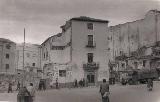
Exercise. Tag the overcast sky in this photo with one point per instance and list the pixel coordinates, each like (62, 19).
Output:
(43, 18)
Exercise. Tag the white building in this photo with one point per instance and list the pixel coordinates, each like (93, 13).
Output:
(83, 49)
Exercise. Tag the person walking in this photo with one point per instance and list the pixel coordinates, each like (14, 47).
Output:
(10, 87)
(18, 86)
(84, 84)
(31, 89)
(150, 84)
(75, 83)
(57, 85)
(104, 90)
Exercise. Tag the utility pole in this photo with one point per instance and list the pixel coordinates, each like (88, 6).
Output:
(156, 20)
(128, 40)
(138, 37)
(112, 29)
(23, 60)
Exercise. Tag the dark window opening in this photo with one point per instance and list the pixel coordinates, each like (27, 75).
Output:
(7, 66)
(7, 56)
(44, 55)
(90, 26)
(90, 57)
(33, 64)
(47, 54)
(62, 73)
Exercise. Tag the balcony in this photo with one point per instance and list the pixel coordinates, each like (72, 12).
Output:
(91, 66)
(91, 45)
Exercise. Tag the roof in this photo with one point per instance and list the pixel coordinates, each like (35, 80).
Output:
(57, 35)
(155, 11)
(84, 18)
(6, 40)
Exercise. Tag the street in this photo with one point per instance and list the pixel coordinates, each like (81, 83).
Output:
(119, 93)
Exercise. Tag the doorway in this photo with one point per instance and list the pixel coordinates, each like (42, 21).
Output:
(91, 79)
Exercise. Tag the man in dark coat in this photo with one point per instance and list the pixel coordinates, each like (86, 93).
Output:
(104, 88)
(10, 88)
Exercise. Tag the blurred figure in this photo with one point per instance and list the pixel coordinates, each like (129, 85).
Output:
(18, 86)
(10, 87)
(75, 83)
(84, 84)
(31, 89)
(104, 90)
(57, 86)
(150, 84)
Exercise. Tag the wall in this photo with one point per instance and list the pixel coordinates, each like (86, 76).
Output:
(31, 55)
(130, 36)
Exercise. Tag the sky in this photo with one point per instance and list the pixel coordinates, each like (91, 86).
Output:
(43, 18)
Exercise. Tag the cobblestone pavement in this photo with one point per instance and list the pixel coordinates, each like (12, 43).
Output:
(119, 93)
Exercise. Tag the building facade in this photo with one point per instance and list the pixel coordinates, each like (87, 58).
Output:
(81, 48)
(28, 62)
(7, 58)
(131, 42)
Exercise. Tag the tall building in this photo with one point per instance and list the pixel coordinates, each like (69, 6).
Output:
(82, 48)
(7, 58)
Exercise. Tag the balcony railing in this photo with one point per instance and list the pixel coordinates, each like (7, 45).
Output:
(90, 66)
(91, 44)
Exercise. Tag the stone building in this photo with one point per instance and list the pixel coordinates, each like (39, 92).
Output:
(32, 60)
(7, 59)
(83, 49)
(130, 39)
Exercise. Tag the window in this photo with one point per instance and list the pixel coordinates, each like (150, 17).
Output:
(58, 47)
(90, 26)
(7, 66)
(90, 57)
(44, 56)
(90, 40)
(33, 64)
(7, 56)
(62, 73)
(47, 54)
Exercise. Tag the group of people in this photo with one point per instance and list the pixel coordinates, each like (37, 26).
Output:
(81, 83)
(42, 86)
(26, 93)
(10, 85)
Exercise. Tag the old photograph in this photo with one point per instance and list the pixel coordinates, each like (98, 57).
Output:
(79, 50)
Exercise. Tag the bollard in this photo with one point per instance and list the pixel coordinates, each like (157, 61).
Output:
(24, 95)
